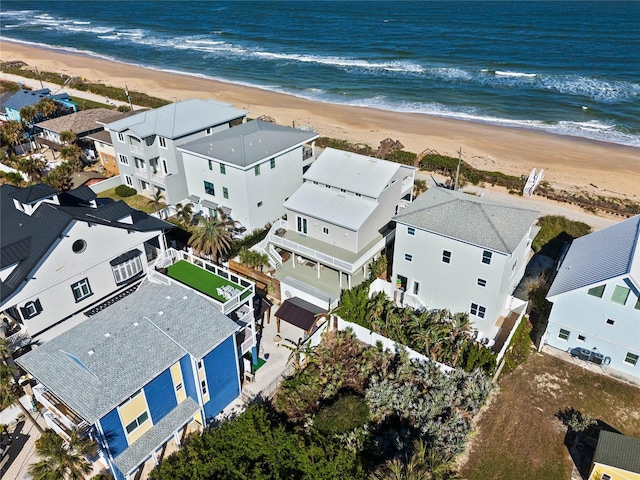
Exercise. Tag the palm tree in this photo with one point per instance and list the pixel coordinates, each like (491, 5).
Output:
(212, 237)
(33, 167)
(424, 464)
(59, 178)
(12, 132)
(157, 201)
(72, 153)
(67, 137)
(47, 107)
(297, 349)
(184, 213)
(10, 389)
(60, 459)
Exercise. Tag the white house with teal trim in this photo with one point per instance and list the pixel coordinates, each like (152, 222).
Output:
(596, 298)
(141, 374)
(458, 251)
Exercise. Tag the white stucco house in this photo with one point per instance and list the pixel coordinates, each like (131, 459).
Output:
(596, 299)
(65, 254)
(336, 223)
(460, 252)
(145, 143)
(248, 170)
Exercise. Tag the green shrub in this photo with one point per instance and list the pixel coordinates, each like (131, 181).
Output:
(554, 232)
(400, 156)
(125, 191)
(343, 415)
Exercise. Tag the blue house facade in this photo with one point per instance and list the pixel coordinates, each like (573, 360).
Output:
(144, 373)
(596, 300)
(24, 97)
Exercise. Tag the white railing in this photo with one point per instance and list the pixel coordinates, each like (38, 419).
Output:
(503, 350)
(276, 255)
(136, 149)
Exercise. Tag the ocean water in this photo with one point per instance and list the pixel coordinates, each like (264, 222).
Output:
(567, 67)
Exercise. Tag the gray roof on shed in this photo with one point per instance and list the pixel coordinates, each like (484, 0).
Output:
(178, 119)
(600, 256)
(331, 205)
(78, 122)
(353, 172)
(246, 144)
(96, 365)
(469, 219)
(619, 451)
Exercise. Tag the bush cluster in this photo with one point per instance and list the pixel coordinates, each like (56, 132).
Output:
(124, 191)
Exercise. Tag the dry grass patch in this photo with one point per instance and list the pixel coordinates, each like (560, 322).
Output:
(519, 437)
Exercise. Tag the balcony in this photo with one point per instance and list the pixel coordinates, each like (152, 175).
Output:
(58, 416)
(137, 149)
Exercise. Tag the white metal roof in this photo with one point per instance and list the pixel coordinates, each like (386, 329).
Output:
(331, 205)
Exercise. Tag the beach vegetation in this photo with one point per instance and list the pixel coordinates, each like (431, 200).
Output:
(248, 241)
(11, 178)
(402, 156)
(33, 167)
(6, 86)
(212, 236)
(555, 232)
(253, 259)
(361, 148)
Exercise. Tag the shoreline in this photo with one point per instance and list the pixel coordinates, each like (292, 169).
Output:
(571, 163)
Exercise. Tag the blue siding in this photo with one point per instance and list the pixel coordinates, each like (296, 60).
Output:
(114, 432)
(187, 378)
(161, 396)
(221, 367)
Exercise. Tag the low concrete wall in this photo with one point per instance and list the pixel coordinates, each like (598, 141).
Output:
(106, 184)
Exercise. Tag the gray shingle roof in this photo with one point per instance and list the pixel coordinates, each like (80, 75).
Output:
(600, 256)
(96, 365)
(178, 119)
(469, 218)
(246, 144)
(620, 451)
(78, 122)
(357, 173)
(331, 205)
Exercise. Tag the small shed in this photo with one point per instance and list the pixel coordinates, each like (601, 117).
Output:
(299, 313)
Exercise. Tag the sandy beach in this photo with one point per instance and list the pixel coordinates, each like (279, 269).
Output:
(570, 163)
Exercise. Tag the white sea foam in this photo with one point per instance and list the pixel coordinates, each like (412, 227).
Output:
(508, 73)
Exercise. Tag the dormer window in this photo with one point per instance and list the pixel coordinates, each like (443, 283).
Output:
(162, 142)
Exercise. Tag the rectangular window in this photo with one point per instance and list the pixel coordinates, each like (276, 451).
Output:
(209, 131)
(163, 162)
(446, 256)
(31, 309)
(81, 289)
(605, 477)
(408, 257)
(153, 165)
(128, 180)
(411, 231)
(203, 383)
(302, 225)
(126, 270)
(482, 282)
(210, 164)
(631, 359)
(137, 422)
(637, 305)
(620, 295)
(223, 169)
(121, 137)
(256, 170)
(162, 142)
(178, 387)
(209, 188)
(564, 334)
(259, 204)
(581, 338)
(124, 160)
(597, 291)
(139, 163)
(416, 288)
(477, 310)
(225, 192)
(272, 162)
(144, 185)
(325, 230)
(610, 321)
(486, 257)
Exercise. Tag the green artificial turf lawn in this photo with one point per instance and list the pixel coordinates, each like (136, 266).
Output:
(199, 278)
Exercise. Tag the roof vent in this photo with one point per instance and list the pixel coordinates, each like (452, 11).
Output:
(168, 297)
(160, 312)
(107, 334)
(91, 352)
(185, 297)
(135, 324)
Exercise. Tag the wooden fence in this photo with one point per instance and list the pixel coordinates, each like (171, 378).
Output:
(264, 282)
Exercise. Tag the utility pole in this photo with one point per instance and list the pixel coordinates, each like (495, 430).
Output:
(126, 89)
(455, 186)
(38, 73)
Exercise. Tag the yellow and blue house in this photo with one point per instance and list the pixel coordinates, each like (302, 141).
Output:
(617, 457)
(140, 375)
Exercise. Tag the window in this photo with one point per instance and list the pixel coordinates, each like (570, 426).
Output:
(81, 289)
(620, 295)
(79, 246)
(223, 169)
(31, 309)
(209, 188)
(272, 162)
(210, 164)
(128, 180)
(359, 195)
(203, 383)
(137, 422)
(163, 162)
(631, 358)
(139, 163)
(411, 231)
(486, 257)
(302, 225)
(597, 291)
(121, 137)
(259, 204)
(581, 338)
(478, 310)
(408, 257)
(325, 230)
(610, 321)
(178, 387)
(482, 282)
(605, 477)
(209, 131)
(153, 165)
(446, 256)
(124, 160)
(162, 142)
(225, 192)
(416, 288)
(127, 269)
(256, 170)
(564, 334)
(144, 185)
(637, 305)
